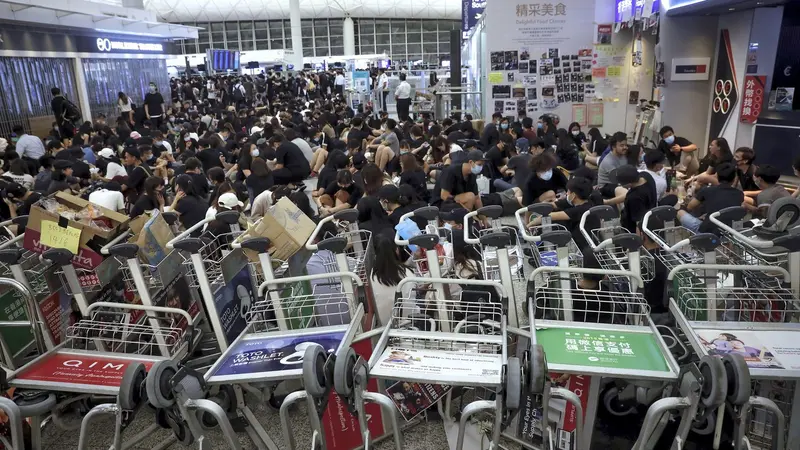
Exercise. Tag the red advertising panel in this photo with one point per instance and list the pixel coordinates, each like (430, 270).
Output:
(341, 428)
(753, 98)
(79, 369)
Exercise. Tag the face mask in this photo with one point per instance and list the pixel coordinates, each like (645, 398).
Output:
(448, 226)
(576, 132)
(476, 169)
(403, 151)
(547, 175)
(669, 140)
(570, 201)
(255, 153)
(504, 126)
(172, 119)
(152, 89)
(539, 126)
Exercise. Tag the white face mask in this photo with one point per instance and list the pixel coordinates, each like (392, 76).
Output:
(570, 201)
(576, 132)
(546, 176)
(255, 153)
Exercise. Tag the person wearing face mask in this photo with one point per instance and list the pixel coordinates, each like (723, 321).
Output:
(545, 180)
(678, 150)
(458, 184)
(576, 134)
(154, 106)
(491, 133)
(654, 165)
(504, 124)
(498, 156)
(339, 195)
(640, 198)
(571, 208)
(745, 170)
(400, 200)
(766, 178)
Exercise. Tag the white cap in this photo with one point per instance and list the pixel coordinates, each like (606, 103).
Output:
(255, 130)
(135, 135)
(106, 153)
(456, 148)
(228, 200)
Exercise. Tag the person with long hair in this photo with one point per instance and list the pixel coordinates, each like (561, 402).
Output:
(371, 215)
(412, 174)
(125, 107)
(260, 178)
(594, 148)
(386, 273)
(566, 150)
(719, 152)
(151, 199)
(188, 203)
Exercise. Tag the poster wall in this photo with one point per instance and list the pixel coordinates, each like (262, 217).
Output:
(541, 47)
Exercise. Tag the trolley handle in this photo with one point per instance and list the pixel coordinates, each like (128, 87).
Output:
(310, 245)
(539, 208)
(189, 231)
(425, 280)
(397, 239)
(621, 273)
(317, 276)
(755, 243)
(12, 241)
(106, 249)
(585, 233)
(730, 268)
(163, 309)
(468, 239)
(20, 220)
(656, 238)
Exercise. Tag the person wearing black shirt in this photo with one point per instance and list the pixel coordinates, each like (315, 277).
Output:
(154, 106)
(74, 154)
(194, 168)
(260, 179)
(497, 156)
(578, 201)
(398, 201)
(210, 157)
(745, 170)
(358, 132)
(19, 199)
(457, 185)
(544, 182)
(641, 196)
(342, 194)
(712, 199)
(137, 173)
(291, 166)
(191, 208)
(62, 177)
(678, 150)
(490, 134)
(152, 198)
(413, 175)
(654, 289)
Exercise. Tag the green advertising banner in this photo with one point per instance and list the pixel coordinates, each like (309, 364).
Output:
(12, 307)
(601, 348)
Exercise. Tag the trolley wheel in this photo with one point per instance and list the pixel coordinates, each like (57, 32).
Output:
(614, 406)
(161, 418)
(130, 389)
(343, 373)
(714, 387)
(705, 425)
(314, 370)
(537, 370)
(513, 383)
(225, 399)
(159, 392)
(738, 376)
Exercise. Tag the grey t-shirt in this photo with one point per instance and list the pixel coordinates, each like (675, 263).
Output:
(770, 194)
(391, 140)
(610, 163)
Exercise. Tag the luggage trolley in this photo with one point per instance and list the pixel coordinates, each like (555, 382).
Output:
(599, 333)
(423, 265)
(546, 253)
(214, 267)
(613, 257)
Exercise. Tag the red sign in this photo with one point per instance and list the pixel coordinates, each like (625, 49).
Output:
(85, 259)
(342, 431)
(78, 369)
(753, 98)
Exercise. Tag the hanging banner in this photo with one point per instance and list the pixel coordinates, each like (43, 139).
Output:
(726, 88)
(471, 10)
(753, 99)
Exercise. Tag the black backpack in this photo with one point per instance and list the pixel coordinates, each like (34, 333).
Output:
(71, 111)
(237, 93)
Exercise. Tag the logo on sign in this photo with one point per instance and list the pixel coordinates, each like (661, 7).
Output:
(104, 45)
(107, 45)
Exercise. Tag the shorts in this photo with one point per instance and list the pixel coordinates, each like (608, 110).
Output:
(691, 222)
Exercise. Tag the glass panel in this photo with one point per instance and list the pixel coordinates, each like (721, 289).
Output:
(276, 27)
(367, 39)
(217, 38)
(232, 35)
(216, 26)
(287, 42)
(320, 27)
(308, 52)
(444, 36)
(447, 25)
(429, 25)
(261, 34)
(413, 25)
(203, 36)
(382, 26)
(430, 37)
(367, 26)
(398, 49)
(202, 47)
(106, 77)
(322, 51)
(308, 43)
(246, 25)
(336, 27)
(247, 45)
(382, 40)
(337, 41)
(398, 26)
(414, 37)
(262, 25)
(233, 45)
(337, 51)
(414, 48)
(262, 45)
(26, 88)
(368, 49)
(276, 44)
(247, 35)
(320, 42)
(444, 47)
(429, 48)
(307, 27)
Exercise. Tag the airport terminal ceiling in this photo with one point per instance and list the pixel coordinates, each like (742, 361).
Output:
(227, 10)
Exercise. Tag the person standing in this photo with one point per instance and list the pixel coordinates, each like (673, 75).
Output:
(403, 97)
(65, 112)
(154, 106)
(338, 84)
(383, 88)
(125, 107)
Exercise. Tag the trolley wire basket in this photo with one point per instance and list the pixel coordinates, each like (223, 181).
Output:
(155, 276)
(760, 429)
(544, 253)
(613, 303)
(359, 251)
(444, 250)
(491, 267)
(616, 258)
(747, 303)
(300, 309)
(215, 248)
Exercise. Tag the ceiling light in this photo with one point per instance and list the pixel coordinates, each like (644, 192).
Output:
(731, 9)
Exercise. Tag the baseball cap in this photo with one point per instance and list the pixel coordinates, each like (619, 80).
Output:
(61, 164)
(470, 143)
(389, 192)
(106, 153)
(475, 155)
(454, 215)
(229, 200)
(359, 160)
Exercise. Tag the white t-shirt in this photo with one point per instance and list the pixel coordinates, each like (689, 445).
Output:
(124, 107)
(112, 200)
(24, 180)
(115, 170)
(661, 183)
(384, 298)
(339, 80)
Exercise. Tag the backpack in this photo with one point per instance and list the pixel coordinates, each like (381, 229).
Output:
(238, 96)
(71, 111)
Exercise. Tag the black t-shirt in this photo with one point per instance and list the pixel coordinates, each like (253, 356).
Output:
(395, 216)
(79, 168)
(353, 190)
(716, 198)
(292, 158)
(638, 201)
(535, 186)
(453, 181)
(145, 203)
(371, 215)
(154, 102)
(746, 179)
(573, 223)
(259, 184)
(417, 180)
(496, 157)
(673, 158)
(520, 164)
(136, 177)
(56, 186)
(326, 176)
(192, 210)
(654, 289)
(200, 183)
(25, 208)
(210, 158)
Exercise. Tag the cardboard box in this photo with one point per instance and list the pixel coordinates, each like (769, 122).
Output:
(91, 240)
(285, 226)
